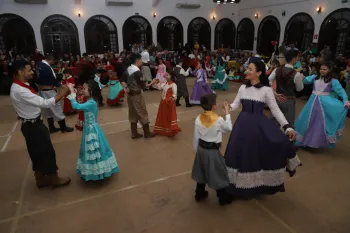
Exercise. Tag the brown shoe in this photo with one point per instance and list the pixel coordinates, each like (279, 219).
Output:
(134, 133)
(57, 181)
(147, 132)
(42, 180)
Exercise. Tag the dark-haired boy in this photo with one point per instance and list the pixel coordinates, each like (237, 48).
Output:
(209, 164)
(136, 102)
(288, 82)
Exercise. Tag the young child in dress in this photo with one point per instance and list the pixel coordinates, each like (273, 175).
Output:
(166, 122)
(67, 78)
(209, 164)
(160, 75)
(96, 159)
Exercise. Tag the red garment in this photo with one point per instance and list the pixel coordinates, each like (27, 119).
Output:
(166, 122)
(67, 106)
(120, 96)
(80, 122)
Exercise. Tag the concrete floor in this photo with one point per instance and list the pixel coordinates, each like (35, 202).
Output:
(153, 192)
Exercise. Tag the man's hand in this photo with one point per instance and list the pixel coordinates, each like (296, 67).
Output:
(292, 135)
(65, 90)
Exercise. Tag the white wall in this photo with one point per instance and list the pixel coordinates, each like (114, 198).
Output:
(264, 8)
(35, 14)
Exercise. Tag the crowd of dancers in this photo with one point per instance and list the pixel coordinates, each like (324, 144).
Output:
(258, 152)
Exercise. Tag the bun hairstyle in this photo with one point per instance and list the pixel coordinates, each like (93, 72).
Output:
(260, 67)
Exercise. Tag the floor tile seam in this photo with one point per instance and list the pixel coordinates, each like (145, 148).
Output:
(275, 217)
(3, 149)
(100, 195)
(20, 200)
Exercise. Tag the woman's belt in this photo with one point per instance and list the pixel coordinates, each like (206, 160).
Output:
(209, 145)
(321, 93)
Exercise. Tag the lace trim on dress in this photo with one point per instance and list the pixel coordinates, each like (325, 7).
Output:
(248, 180)
(293, 163)
(90, 137)
(98, 168)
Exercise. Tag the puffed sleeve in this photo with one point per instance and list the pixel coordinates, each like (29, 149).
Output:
(237, 102)
(275, 110)
(337, 88)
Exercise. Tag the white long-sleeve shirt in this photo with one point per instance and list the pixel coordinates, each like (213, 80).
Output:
(183, 72)
(298, 80)
(145, 57)
(212, 134)
(27, 104)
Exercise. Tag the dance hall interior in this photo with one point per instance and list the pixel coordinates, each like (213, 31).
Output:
(174, 116)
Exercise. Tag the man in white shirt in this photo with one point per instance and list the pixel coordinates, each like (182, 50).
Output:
(288, 82)
(28, 107)
(146, 71)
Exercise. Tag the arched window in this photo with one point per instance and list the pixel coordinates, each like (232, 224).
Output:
(100, 35)
(60, 35)
(335, 32)
(225, 33)
(299, 31)
(170, 33)
(17, 34)
(137, 29)
(269, 30)
(245, 34)
(199, 30)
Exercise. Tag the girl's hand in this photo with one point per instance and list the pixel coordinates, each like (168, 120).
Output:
(347, 105)
(291, 135)
(71, 87)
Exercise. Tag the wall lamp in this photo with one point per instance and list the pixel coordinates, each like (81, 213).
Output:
(256, 15)
(154, 14)
(319, 9)
(214, 17)
(79, 14)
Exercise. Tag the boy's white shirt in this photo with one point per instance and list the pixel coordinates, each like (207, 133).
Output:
(212, 134)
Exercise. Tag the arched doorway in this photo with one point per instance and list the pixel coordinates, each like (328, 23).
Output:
(269, 30)
(60, 35)
(100, 35)
(245, 34)
(335, 32)
(225, 34)
(170, 33)
(199, 30)
(137, 29)
(17, 34)
(300, 31)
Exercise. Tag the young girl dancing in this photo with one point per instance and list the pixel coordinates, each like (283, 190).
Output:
(96, 159)
(160, 75)
(322, 120)
(166, 122)
(258, 152)
(201, 86)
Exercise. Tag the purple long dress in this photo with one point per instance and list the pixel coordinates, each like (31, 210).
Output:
(200, 87)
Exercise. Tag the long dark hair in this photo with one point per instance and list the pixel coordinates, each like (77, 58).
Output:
(260, 67)
(93, 89)
(329, 76)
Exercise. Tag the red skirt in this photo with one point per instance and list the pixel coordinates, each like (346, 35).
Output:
(166, 123)
(67, 106)
(117, 100)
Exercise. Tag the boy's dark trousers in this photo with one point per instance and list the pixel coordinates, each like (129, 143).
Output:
(222, 194)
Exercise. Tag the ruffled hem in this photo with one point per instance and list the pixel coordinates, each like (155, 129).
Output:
(98, 177)
(98, 169)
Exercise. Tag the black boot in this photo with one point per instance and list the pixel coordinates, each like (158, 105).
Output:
(148, 133)
(134, 133)
(201, 193)
(52, 128)
(178, 101)
(224, 197)
(188, 105)
(64, 128)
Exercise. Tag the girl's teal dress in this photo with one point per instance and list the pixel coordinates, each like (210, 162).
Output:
(220, 79)
(96, 159)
